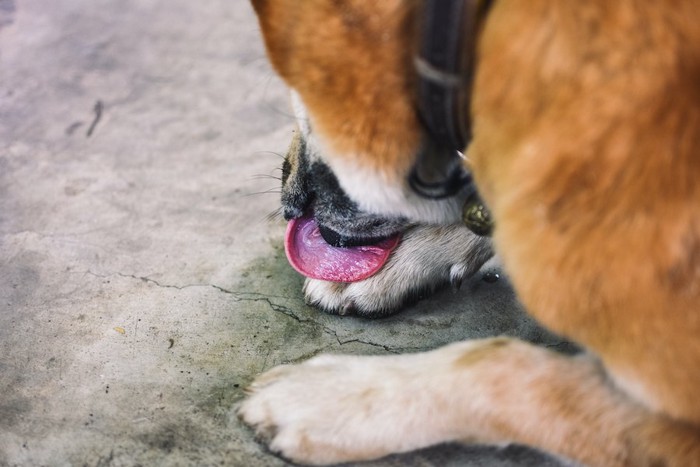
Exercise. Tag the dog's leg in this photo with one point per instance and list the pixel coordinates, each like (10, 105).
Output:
(345, 408)
(428, 257)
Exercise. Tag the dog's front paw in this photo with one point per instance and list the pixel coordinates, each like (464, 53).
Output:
(428, 257)
(371, 298)
(341, 408)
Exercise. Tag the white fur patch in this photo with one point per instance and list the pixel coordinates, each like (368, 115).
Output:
(300, 113)
(374, 193)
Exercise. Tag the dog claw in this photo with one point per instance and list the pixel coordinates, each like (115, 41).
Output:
(347, 309)
(457, 274)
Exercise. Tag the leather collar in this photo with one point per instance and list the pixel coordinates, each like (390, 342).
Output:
(445, 68)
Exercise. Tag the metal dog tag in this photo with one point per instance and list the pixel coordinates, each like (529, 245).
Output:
(477, 216)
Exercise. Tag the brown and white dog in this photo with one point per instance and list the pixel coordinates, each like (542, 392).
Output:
(586, 148)
(353, 259)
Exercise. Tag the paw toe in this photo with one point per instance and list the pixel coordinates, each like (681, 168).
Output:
(254, 415)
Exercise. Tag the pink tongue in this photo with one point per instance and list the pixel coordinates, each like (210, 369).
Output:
(309, 254)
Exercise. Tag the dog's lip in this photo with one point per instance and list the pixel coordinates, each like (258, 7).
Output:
(339, 240)
(310, 254)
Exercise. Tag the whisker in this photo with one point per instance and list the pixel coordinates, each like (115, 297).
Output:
(266, 192)
(265, 177)
(254, 60)
(263, 81)
(281, 156)
(275, 215)
(279, 111)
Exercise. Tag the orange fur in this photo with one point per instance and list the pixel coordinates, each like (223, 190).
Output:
(587, 150)
(590, 161)
(370, 120)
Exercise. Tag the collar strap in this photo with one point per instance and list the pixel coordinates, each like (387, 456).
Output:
(438, 172)
(445, 68)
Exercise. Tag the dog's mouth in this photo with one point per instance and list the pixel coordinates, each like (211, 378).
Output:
(320, 253)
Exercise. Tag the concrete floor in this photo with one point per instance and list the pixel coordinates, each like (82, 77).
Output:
(141, 284)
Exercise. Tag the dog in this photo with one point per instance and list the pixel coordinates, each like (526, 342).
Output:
(585, 146)
(427, 257)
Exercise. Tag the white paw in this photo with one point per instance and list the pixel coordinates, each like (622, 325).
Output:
(343, 408)
(428, 257)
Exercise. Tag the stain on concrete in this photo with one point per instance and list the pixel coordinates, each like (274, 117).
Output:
(7, 12)
(13, 409)
(171, 436)
(19, 276)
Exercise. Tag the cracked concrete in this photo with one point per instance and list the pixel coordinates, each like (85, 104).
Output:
(142, 282)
